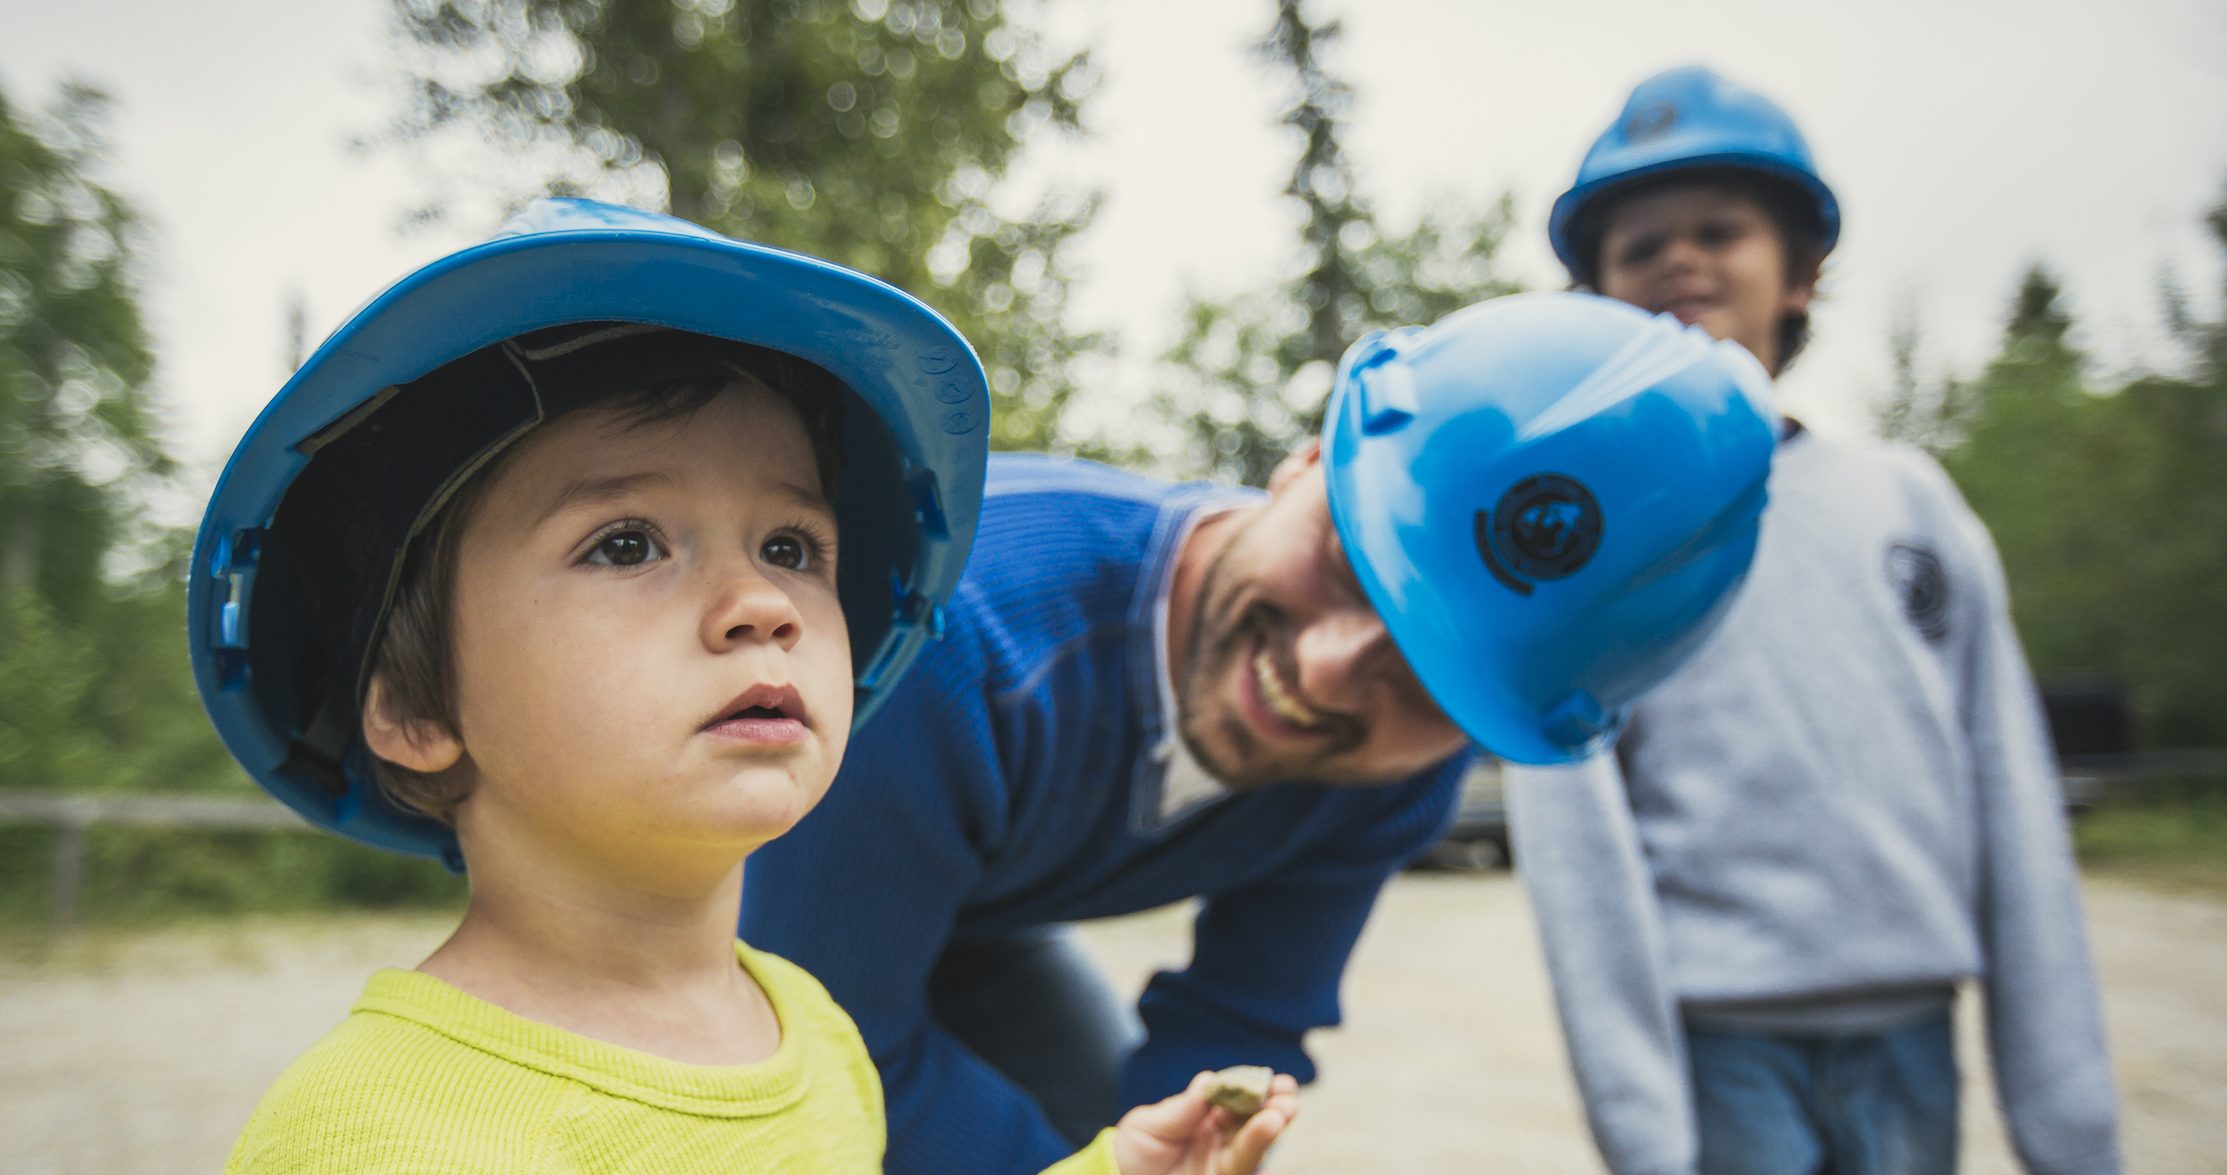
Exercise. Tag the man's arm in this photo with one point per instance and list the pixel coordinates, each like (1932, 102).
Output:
(1267, 958)
(863, 894)
(2044, 1016)
(1578, 853)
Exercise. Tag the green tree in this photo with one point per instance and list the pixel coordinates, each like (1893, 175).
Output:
(878, 134)
(76, 428)
(1250, 373)
(1933, 416)
(2173, 433)
(2035, 454)
(2105, 506)
(95, 691)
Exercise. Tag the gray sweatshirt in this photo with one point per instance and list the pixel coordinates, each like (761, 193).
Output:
(1840, 809)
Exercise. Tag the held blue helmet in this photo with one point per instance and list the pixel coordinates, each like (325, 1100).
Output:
(1679, 120)
(1550, 500)
(304, 541)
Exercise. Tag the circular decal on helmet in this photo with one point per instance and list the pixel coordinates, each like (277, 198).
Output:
(1650, 122)
(1545, 527)
(1915, 573)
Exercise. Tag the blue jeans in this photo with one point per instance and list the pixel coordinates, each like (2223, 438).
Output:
(1882, 1103)
(1033, 1006)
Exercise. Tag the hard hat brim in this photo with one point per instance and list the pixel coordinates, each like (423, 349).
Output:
(915, 455)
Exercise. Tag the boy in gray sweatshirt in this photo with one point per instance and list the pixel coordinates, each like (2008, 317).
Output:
(1758, 910)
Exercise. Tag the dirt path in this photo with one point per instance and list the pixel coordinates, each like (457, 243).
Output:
(146, 1054)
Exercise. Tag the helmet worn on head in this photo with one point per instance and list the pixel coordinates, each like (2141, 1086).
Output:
(1549, 499)
(1686, 119)
(298, 555)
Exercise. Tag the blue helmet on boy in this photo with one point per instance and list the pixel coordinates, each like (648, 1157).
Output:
(1685, 119)
(1550, 500)
(428, 381)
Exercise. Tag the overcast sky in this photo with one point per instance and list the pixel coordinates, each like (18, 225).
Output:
(1965, 140)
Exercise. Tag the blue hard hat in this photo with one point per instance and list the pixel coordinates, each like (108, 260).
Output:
(1549, 499)
(303, 542)
(1683, 119)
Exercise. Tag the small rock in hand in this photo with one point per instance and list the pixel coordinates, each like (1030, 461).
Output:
(1241, 1089)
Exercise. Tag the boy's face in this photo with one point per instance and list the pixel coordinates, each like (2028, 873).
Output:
(648, 647)
(1709, 254)
(1290, 674)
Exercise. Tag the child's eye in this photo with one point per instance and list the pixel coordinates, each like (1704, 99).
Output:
(786, 551)
(629, 547)
(1639, 251)
(795, 549)
(1721, 232)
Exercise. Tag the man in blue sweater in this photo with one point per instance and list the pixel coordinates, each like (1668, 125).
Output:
(1148, 693)
(1028, 773)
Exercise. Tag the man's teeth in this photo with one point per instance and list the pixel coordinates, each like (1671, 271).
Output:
(1272, 690)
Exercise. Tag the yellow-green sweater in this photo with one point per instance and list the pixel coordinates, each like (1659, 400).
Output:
(423, 1078)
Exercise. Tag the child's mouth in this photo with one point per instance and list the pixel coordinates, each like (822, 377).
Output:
(766, 715)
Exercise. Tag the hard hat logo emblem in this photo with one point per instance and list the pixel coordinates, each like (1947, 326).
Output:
(1545, 527)
(1650, 122)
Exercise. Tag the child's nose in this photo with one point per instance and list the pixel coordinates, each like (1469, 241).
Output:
(1682, 252)
(747, 606)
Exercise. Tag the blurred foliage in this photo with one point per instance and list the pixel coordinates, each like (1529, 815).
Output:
(2109, 505)
(144, 876)
(95, 692)
(878, 134)
(1250, 374)
(76, 430)
(2174, 837)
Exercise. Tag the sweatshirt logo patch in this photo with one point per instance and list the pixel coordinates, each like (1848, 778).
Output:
(1915, 573)
(1545, 527)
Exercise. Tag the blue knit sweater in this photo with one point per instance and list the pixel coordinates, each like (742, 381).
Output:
(1007, 783)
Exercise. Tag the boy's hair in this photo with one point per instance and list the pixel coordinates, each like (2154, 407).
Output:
(413, 652)
(1790, 208)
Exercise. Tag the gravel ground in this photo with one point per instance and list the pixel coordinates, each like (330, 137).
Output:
(145, 1053)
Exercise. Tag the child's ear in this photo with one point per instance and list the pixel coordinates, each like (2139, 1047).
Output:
(422, 745)
(1801, 285)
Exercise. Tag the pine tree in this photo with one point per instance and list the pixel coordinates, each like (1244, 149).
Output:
(1251, 373)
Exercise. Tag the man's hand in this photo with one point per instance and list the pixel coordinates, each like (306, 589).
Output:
(1187, 1135)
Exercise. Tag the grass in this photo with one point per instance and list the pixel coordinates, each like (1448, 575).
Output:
(2172, 838)
(152, 877)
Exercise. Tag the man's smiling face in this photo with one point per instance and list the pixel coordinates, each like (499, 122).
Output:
(1288, 675)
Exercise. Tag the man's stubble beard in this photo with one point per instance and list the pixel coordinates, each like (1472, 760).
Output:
(1218, 641)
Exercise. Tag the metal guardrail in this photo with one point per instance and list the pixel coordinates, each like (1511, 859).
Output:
(71, 813)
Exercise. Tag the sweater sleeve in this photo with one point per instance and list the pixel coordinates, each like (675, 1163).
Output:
(864, 893)
(2044, 1016)
(1267, 957)
(1577, 850)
